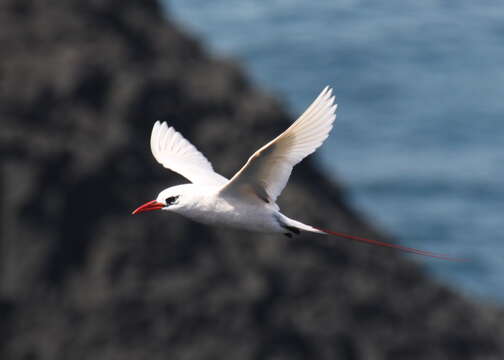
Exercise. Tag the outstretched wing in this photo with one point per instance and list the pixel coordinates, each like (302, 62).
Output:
(267, 171)
(174, 152)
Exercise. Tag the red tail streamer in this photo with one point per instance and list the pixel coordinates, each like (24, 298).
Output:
(394, 246)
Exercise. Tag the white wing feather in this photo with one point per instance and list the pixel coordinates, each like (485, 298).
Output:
(267, 171)
(174, 152)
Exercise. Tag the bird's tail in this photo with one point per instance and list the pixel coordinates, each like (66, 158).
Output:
(299, 225)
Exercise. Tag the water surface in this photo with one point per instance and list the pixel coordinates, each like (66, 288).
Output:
(420, 131)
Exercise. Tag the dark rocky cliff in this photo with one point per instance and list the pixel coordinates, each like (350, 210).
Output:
(81, 83)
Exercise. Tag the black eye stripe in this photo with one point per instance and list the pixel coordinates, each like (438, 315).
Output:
(170, 200)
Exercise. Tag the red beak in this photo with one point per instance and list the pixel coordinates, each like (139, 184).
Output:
(151, 205)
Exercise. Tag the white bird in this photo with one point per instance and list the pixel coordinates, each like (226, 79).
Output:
(248, 199)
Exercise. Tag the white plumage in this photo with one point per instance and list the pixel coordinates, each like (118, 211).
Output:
(267, 171)
(174, 152)
(248, 199)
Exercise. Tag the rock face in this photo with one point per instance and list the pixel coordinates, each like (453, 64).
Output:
(81, 83)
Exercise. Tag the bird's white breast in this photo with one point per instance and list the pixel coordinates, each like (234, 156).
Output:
(206, 206)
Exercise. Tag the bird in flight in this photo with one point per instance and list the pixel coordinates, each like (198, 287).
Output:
(248, 199)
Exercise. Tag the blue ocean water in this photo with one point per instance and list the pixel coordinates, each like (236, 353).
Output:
(420, 130)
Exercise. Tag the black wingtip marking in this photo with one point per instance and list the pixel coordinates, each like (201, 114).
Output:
(292, 229)
(261, 193)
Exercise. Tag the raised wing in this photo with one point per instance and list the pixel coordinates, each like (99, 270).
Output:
(174, 152)
(267, 171)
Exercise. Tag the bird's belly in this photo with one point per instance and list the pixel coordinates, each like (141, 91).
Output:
(249, 217)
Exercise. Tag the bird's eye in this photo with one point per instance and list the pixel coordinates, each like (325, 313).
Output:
(170, 200)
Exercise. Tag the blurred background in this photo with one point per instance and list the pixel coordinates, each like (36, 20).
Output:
(413, 159)
(420, 86)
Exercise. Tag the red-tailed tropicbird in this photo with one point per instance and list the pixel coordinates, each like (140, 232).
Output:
(248, 200)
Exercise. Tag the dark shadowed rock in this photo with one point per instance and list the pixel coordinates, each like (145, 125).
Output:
(81, 83)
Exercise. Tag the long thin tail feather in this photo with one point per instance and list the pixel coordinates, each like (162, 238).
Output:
(394, 246)
(297, 224)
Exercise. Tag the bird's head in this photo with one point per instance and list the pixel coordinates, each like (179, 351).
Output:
(168, 199)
